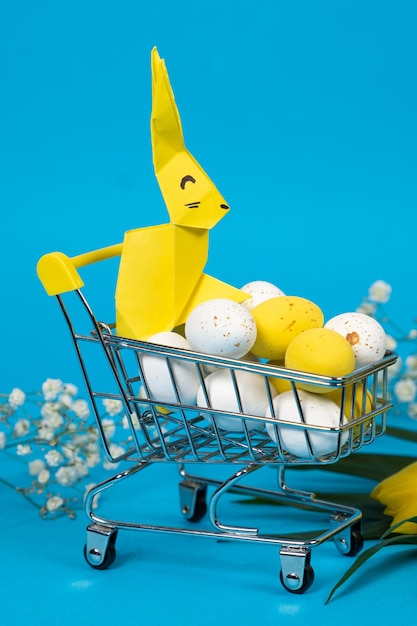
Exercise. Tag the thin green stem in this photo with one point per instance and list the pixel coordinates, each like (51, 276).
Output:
(10, 485)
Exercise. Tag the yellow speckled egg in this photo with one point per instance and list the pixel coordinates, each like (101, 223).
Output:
(279, 320)
(281, 384)
(320, 351)
(358, 409)
(356, 406)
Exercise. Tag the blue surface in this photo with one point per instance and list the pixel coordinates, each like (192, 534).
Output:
(184, 579)
(303, 113)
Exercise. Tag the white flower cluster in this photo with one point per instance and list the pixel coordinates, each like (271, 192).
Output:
(53, 430)
(403, 375)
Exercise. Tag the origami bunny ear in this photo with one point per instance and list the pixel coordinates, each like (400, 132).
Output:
(166, 129)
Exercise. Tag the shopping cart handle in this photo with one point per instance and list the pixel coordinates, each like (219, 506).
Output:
(58, 272)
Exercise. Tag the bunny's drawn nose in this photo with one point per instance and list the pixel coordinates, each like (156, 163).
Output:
(224, 206)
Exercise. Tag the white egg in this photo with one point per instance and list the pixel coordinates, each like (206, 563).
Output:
(221, 393)
(317, 410)
(208, 369)
(364, 333)
(260, 290)
(157, 374)
(221, 327)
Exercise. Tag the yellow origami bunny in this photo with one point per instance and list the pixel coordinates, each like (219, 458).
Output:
(161, 275)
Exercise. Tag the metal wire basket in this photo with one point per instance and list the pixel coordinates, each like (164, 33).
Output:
(165, 429)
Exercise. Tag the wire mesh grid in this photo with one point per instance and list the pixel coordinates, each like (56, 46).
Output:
(165, 428)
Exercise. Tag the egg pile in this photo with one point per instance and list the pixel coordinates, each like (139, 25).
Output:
(275, 328)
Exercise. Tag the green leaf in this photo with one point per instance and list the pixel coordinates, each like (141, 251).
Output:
(387, 539)
(372, 466)
(401, 433)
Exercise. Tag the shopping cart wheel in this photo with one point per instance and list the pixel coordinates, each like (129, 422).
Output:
(350, 542)
(100, 549)
(193, 500)
(292, 583)
(296, 573)
(108, 559)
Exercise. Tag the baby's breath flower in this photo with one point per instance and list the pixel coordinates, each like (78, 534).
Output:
(44, 476)
(405, 390)
(65, 400)
(412, 333)
(81, 468)
(412, 410)
(113, 407)
(368, 308)
(81, 409)
(116, 450)
(135, 422)
(57, 436)
(52, 417)
(45, 433)
(54, 503)
(54, 458)
(68, 452)
(380, 291)
(395, 369)
(391, 343)
(66, 475)
(93, 458)
(23, 450)
(109, 427)
(36, 466)
(21, 427)
(17, 397)
(411, 363)
(70, 389)
(51, 388)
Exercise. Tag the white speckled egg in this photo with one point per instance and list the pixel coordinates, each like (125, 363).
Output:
(221, 327)
(317, 411)
(364, 333)
(222, 396)
(260, 290)
(157, 375)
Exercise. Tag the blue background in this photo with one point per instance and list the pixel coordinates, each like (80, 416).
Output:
(304, 115)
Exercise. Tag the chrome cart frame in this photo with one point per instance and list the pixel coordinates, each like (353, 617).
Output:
(172, 432)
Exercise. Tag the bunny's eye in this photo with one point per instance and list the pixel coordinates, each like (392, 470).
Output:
(186, 179)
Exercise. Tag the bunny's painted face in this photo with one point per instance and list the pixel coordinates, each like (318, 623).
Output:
(190, 196)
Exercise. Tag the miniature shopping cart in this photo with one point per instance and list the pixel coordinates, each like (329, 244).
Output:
(156, 431)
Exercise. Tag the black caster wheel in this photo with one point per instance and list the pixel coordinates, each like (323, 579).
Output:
(102, 552)
(109, 558)
(193, 501)
(291, 582)
(356, 542)
(350, 541)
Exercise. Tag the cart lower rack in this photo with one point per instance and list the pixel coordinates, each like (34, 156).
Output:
(165, 429)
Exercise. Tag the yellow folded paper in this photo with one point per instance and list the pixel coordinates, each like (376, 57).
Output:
(161, 276)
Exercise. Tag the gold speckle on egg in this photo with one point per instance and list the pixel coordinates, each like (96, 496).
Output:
(353, 338)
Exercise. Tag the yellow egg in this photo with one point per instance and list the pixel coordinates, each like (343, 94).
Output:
(357, 410)
(320, 351)
(280, 384)
(279, 320)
